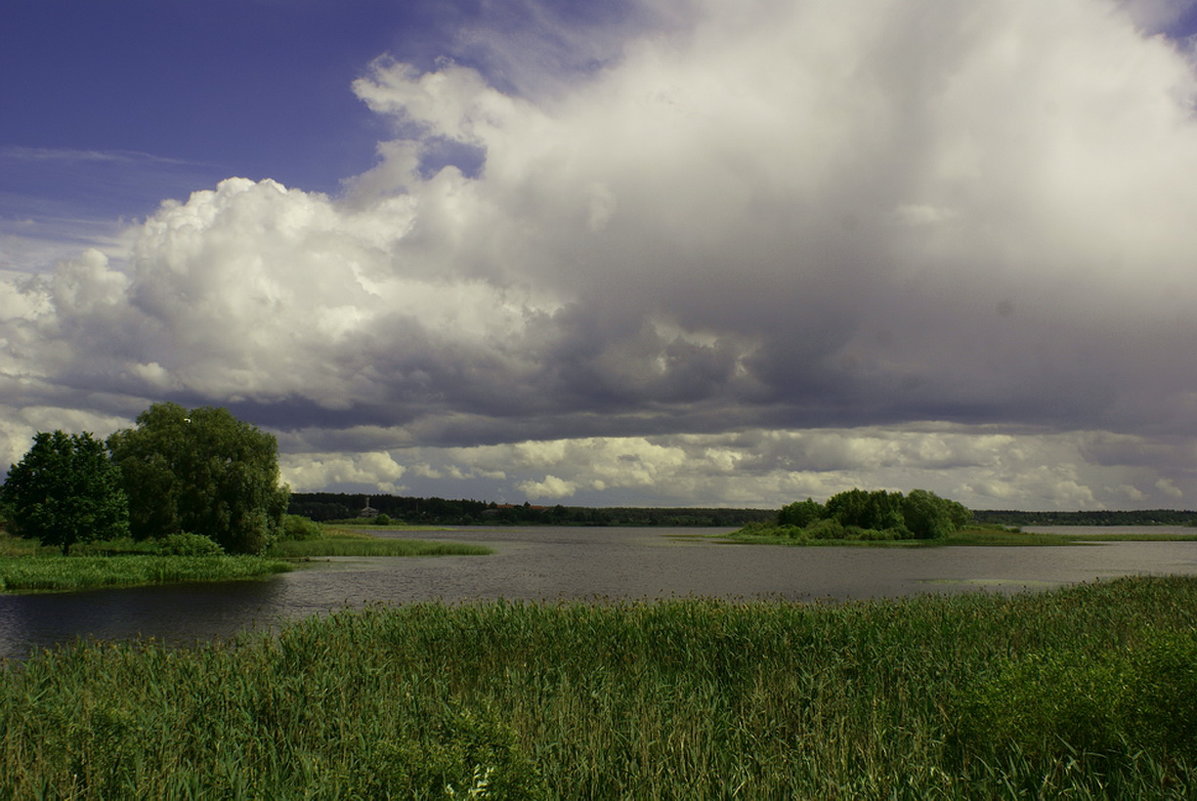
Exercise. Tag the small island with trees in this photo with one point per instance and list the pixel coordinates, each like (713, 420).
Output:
(861, 516)
(918, 518)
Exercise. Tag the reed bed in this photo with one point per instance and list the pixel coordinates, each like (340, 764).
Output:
(57, 573)
(684, 699)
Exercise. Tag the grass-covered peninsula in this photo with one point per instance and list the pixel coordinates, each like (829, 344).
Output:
(1085, 692)
(27, 566)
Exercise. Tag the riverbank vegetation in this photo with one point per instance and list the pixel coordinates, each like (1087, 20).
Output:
(355, 541)
(90, 572)
(28, 566)
(1083, 692)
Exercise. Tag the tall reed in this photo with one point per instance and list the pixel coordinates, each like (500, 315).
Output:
(682, 699)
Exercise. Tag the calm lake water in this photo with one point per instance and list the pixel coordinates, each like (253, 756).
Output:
(571, 564)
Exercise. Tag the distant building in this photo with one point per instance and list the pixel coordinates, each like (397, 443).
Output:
(368, 510)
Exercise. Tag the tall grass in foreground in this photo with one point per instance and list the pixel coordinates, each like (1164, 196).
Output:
(1054, 695)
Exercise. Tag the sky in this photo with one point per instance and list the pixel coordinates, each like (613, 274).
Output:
(639, 252)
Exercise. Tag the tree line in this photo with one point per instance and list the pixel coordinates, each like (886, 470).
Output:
(198, 471)
(1141, 517)
(327, 506)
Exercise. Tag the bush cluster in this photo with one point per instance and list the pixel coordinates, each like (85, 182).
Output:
(878, 515)
(298, 527)
(187, 544)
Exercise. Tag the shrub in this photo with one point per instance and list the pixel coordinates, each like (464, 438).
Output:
(382, 520)
(298, 527)
(185, 544)
(826, 529)
(795, 533)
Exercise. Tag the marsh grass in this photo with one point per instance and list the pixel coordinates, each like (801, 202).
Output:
(49, 574)
(343, 542)
(685, 699)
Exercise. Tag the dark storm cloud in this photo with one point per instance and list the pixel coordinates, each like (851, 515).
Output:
(779, 215)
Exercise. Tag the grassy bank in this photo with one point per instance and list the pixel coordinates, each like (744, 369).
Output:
(1086, 692)
(970, 535)
(358, 542)
(26, 566)
(86, 572)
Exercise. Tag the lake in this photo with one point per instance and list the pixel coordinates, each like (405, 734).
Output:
(550, 563)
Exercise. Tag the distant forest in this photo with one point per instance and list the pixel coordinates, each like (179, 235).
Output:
(325, 506)
(1143, 517)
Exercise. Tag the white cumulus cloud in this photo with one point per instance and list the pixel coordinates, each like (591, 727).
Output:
(829, 220)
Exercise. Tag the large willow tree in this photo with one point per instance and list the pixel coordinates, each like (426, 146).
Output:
(201, 471)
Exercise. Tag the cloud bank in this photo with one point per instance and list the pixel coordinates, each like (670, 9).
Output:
(740, 255)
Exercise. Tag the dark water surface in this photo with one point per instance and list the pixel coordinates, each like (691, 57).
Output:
(569, 563)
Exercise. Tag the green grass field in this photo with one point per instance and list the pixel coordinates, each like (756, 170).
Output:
(1081, 693)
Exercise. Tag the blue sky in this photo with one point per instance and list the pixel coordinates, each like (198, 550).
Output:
(192, 93)
(654, 252)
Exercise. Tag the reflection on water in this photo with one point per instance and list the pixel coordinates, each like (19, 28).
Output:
(568, 563)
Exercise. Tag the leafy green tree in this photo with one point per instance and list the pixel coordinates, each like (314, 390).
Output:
(201, 471)
(879, 510)
(961, 515)
(800, 513)
(929, 516)
(849, 508)
(65, 490)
